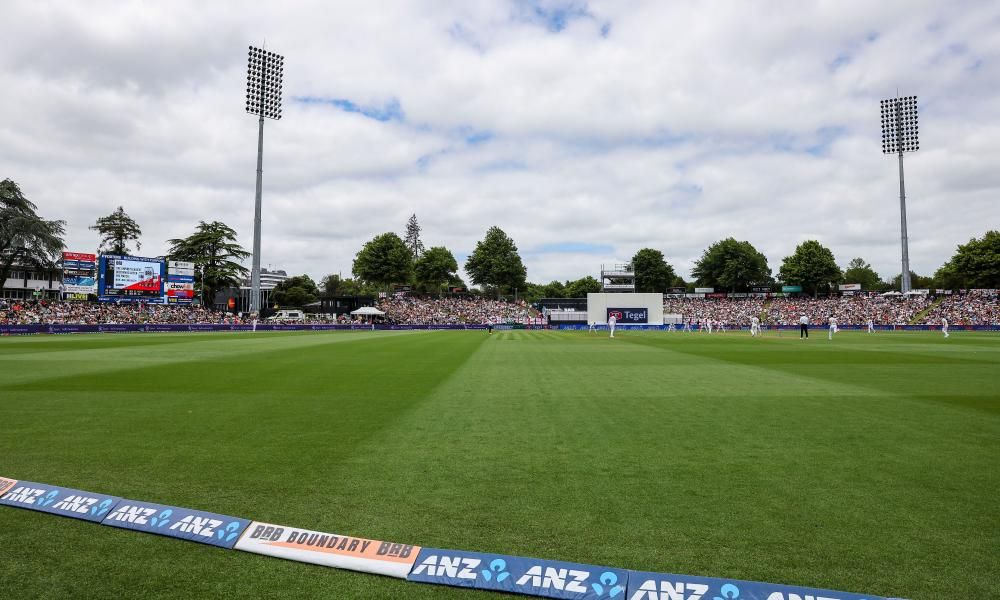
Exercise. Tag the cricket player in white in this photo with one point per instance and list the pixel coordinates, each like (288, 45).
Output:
(754, 327)
(944, 326)
(611, 324)
(871, 326)
(593, 326)
(833, 328)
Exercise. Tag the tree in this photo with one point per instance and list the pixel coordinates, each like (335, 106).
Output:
(384, 260)
(652, 272)
(412, 238)
(334, 285)
(732, 265)
(811, 265)
(25, 238)
(974, 265)
(495, 262)
(214, 251)
(435, 268)
(117, 230)
(581, 287)
(917, 282)
(554, 289)
(859, 271)
(295, 291)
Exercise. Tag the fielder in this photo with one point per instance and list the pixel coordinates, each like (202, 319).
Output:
(611, 325)
(754, 327)
(833, 328)
(593, 326)
(871, 326)
(944, 326)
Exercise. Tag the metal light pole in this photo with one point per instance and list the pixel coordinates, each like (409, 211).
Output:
(264, 71)
(900, 134)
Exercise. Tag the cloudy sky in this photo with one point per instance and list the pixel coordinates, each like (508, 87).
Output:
(585, 130)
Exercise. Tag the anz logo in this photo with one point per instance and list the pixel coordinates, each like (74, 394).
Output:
(652, 589)
(536, 577)
(28, 495)
(662, 589)
(137, 515)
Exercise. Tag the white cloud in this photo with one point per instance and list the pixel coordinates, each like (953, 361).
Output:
(621, 124)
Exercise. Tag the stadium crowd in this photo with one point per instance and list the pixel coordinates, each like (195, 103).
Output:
(848, 310)
(734, 312)
(47, 312)
(974, 308)
(453, 311)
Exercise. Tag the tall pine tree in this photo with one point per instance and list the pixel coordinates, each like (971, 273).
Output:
(412, 237)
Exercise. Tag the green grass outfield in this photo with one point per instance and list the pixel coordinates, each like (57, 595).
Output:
(867, 464)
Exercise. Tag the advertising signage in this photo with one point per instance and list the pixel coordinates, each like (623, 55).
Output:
(130, 278)
(79, 273)
(791, 289)
(78, 261)
(629, 315)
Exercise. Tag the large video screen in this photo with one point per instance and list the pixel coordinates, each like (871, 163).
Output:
(131, 277)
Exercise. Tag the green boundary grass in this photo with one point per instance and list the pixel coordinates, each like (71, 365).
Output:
(866, 464)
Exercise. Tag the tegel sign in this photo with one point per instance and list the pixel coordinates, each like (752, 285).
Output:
(666, 586)
(67, 502)
(177, 522)
(518, 575)
(629, 315)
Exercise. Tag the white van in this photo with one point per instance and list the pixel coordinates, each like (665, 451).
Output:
(287, 315)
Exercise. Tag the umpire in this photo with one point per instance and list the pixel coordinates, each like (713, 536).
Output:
(803, 327)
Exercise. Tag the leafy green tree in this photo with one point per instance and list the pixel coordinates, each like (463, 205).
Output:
(117, 230)
(859, 271)
(917, 282)
(974, 265)
(581, 287)
(652, 272)
(812, 266)
(215, 253)
(412, 238)
(334, 285)
(25, 238)
(495, 262)
(729, 264)
(457, 282)
(435, 267)
(554, 289)
(295, 291)
(383, 261)
(533, 292)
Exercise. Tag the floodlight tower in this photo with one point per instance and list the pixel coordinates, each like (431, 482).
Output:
(264, 71)
(900, 134)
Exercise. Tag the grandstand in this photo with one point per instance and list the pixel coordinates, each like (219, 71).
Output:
(961, 308)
